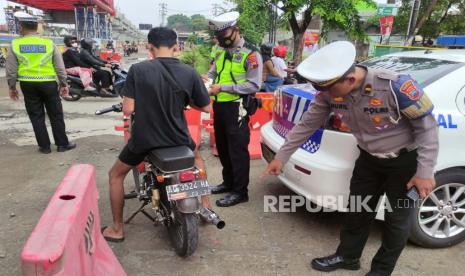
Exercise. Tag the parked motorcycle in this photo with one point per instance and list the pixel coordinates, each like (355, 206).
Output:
(76, 89)
(170, 183)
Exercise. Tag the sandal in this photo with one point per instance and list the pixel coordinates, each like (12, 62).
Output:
(110, 239)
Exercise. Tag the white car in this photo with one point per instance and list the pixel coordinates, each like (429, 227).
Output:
(323, 165)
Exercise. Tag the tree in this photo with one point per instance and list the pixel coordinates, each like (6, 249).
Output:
(335, 14)
(253, 20)
(199, 22)
(180, 22)
(436, 17)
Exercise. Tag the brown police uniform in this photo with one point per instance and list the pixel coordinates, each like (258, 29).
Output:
(397, 135)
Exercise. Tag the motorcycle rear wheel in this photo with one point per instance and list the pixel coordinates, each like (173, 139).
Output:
(184, 233)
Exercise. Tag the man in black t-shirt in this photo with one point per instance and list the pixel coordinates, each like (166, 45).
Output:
(159, 119)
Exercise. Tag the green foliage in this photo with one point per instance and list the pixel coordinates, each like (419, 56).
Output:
(441, 21)
(199, 22)
(192, 38)
(196, 22)
(254, 19)
(198, 57)
(179, 21)
(335, 14)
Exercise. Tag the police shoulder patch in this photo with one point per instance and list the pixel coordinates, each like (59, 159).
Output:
(413, 102)
(252, 61)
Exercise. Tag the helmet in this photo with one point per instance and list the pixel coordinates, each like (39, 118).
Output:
(280, 51)
(266, 48)
(87, 43)
(67, 40)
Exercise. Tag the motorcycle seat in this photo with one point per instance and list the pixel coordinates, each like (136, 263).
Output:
(172, 159)
(74, 79)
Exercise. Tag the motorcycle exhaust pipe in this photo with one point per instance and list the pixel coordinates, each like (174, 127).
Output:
(211, 217)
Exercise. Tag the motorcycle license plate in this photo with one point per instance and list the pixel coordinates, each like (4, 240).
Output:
(187, 190)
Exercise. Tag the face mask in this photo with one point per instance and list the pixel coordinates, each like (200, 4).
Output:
(74, 45)
(227, 42)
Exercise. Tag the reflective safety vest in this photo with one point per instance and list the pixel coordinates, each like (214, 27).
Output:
(35, 59)
(213, 52)
(230, 71)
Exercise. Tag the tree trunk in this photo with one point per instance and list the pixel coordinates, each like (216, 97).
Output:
(425, 17)
(298, 47)
(445, 13)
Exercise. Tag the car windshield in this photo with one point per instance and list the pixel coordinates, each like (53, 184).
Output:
(423, 70)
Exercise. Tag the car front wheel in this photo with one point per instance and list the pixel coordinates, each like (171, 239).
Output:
(439, 220)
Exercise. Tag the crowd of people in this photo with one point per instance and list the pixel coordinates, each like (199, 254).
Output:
(398, 145)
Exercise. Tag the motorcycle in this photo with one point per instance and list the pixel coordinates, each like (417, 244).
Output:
(170, 183)
(76, 89)
(127, 50)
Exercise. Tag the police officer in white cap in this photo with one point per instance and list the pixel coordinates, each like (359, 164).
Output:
(397, 135)
(37, 64)
(236, 74)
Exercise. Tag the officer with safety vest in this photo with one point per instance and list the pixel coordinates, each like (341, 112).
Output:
(37, 64)
(213, 51)
(391, 119)
(236, 74)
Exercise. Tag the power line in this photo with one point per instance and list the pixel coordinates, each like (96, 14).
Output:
(189, 12)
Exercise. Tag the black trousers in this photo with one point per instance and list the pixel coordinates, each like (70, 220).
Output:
(374, 177)
(232, 141)
(40, 95)
(102, 78)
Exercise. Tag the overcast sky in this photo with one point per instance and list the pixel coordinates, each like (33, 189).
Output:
(147, 11)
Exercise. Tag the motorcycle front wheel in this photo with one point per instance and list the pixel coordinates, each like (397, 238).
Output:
(184, 232)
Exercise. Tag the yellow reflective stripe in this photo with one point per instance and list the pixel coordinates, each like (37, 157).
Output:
(37, 77)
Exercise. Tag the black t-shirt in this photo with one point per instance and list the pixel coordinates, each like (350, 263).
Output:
(159, 119)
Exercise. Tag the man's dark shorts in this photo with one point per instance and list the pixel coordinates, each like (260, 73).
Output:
(133, 159)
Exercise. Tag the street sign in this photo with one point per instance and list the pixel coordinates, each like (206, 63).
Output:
(386, 10)
(145, 27)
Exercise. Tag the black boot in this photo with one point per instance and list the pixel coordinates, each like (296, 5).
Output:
(70, 146)
(231, 200)
(219, 189)
(45, 150)
(375, 273)
(334, 262)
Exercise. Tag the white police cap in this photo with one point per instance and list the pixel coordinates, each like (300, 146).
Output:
(25, 17)
(223, 21)
(329, 64)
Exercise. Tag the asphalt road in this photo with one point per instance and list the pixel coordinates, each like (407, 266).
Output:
(252, 243)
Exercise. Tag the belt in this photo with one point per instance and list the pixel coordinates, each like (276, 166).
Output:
(389, 155)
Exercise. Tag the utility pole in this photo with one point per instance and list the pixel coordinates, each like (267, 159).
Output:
(412, 22)
(163, 12)
(273, 22)
(216, 9)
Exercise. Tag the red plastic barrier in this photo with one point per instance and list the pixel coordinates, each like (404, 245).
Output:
(260, 118)
(110, 55)
(67, 240)
(193, 118)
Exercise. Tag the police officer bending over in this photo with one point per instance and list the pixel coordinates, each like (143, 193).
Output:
(236, 73)
(397, 135)
(37, 63)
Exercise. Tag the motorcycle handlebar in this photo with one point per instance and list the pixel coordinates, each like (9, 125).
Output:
(113, 108)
